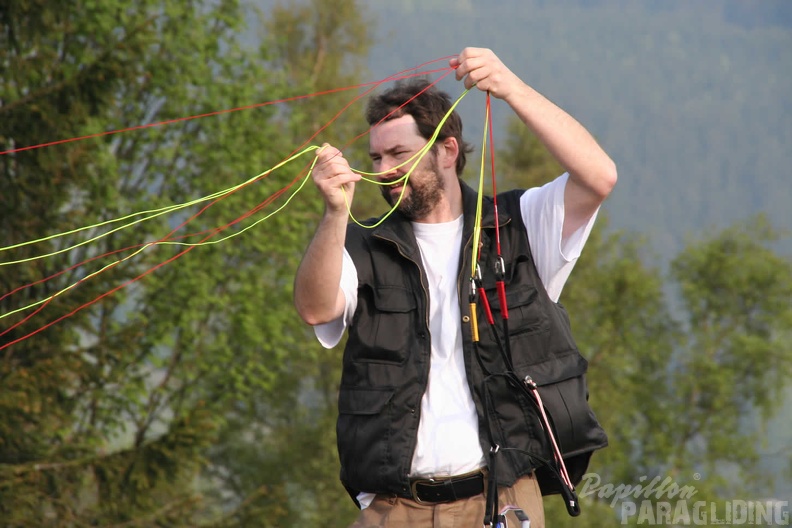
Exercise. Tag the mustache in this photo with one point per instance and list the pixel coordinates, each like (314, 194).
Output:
(393, 181)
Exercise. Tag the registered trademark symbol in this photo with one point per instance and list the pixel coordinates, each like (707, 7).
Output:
(696, 476)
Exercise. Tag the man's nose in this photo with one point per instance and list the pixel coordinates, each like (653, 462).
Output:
(388, 168)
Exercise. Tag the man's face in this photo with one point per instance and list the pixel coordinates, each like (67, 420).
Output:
(391, 144)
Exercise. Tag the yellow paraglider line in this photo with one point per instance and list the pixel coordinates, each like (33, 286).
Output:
(142, 216)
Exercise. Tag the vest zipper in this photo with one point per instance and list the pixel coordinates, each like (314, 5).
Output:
(428, 337)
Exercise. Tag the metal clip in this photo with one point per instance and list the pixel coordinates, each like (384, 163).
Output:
(500, 269)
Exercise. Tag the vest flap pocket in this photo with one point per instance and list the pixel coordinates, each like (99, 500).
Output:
(384, 326)
(521, 296)
(525, 311)
(394, 299)
(558, 367)
(354, 400)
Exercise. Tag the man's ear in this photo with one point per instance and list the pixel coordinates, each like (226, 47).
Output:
(449, 151)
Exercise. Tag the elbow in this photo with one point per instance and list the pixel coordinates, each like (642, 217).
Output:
(312, 315)
(597, 181)
(607, 179)
(305, 304)
(310, 318)
(306, 314)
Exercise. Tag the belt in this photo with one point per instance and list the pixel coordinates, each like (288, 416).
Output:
(447, 489)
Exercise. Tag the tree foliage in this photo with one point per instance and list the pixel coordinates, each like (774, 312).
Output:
(116, 414)
(279, 446)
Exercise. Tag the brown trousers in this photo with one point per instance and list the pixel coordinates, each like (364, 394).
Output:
(397, 512)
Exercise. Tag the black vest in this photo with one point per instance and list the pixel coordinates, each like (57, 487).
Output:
(386, 360)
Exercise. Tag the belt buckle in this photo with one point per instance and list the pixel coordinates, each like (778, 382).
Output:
(414, 489)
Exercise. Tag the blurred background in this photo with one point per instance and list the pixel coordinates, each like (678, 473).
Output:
(173, 385)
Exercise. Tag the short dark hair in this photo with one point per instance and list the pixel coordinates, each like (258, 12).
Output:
(428, 109)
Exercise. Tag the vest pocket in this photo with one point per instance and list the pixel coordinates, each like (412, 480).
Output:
(576, 427)
(384, 334)
(525, 312)
(575, 423)
(363, 432)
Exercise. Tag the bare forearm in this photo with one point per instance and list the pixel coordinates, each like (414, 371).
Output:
(566, 139)
(317, 294)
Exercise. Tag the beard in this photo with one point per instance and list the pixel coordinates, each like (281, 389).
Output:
(425, 191)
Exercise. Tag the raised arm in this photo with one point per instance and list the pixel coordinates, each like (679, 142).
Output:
(317, 295)
(592, 174)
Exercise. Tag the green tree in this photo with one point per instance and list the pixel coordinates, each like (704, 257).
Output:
(112, 415)
(65, 389)
(277, 455)
(736, 359)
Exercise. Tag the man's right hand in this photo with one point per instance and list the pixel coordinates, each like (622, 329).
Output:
(334, 178)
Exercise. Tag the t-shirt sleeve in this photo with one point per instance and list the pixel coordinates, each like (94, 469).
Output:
(329, 334)
(542, 211)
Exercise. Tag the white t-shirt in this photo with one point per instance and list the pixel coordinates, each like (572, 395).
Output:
(448, 429)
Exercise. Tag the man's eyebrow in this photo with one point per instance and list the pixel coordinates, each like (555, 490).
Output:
(389, 150)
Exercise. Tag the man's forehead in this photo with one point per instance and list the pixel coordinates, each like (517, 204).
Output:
(401, 129)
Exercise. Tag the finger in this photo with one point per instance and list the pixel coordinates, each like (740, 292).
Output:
(334, 173)
(474, 69)
(327, 153)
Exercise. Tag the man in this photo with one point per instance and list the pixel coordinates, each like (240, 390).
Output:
(422, 403)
